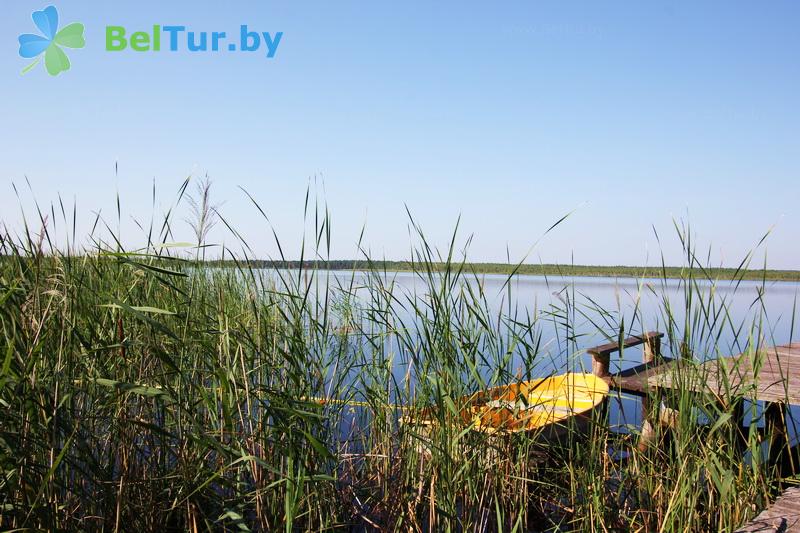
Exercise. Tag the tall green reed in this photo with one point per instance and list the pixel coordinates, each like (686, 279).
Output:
(148, 390)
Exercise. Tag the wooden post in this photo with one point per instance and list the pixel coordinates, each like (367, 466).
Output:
(651, 349)
(600, 364)
(779, 446)
(648, 434)
(741, 433)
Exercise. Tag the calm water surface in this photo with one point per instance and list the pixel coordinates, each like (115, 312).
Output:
(594, 307)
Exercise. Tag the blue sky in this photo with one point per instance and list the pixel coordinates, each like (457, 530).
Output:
(510, 114)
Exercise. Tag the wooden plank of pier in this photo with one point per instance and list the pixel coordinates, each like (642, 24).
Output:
(771, 375)
(636, 380)
(783, 515)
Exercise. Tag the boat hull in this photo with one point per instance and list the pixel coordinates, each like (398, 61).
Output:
(552, 406)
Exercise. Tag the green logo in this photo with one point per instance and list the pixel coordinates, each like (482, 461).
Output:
(50, 42)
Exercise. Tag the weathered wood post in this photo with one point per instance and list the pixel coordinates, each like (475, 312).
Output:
(601, 361)
(738, 415)
(601, 367)
(651, 350)
(777, 431)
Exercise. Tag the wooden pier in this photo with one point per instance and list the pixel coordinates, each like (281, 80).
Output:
(783, 515)
(770, 375)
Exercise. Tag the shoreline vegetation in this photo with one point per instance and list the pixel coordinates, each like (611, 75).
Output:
(148, 391)
(545, 269)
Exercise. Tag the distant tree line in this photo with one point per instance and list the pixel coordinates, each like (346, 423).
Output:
(527, 269)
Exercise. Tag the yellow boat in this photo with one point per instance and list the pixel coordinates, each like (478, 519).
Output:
(539, 404)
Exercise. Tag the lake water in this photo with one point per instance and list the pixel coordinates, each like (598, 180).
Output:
(575, 313)
(639, 303)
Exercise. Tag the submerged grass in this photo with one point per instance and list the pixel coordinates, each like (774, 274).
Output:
(149, 391)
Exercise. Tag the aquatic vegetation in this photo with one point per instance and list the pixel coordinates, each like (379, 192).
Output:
(148, 390)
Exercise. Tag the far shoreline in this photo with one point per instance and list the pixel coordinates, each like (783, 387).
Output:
(578, 271)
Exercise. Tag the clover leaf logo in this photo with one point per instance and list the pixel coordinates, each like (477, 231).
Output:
(50, 43)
